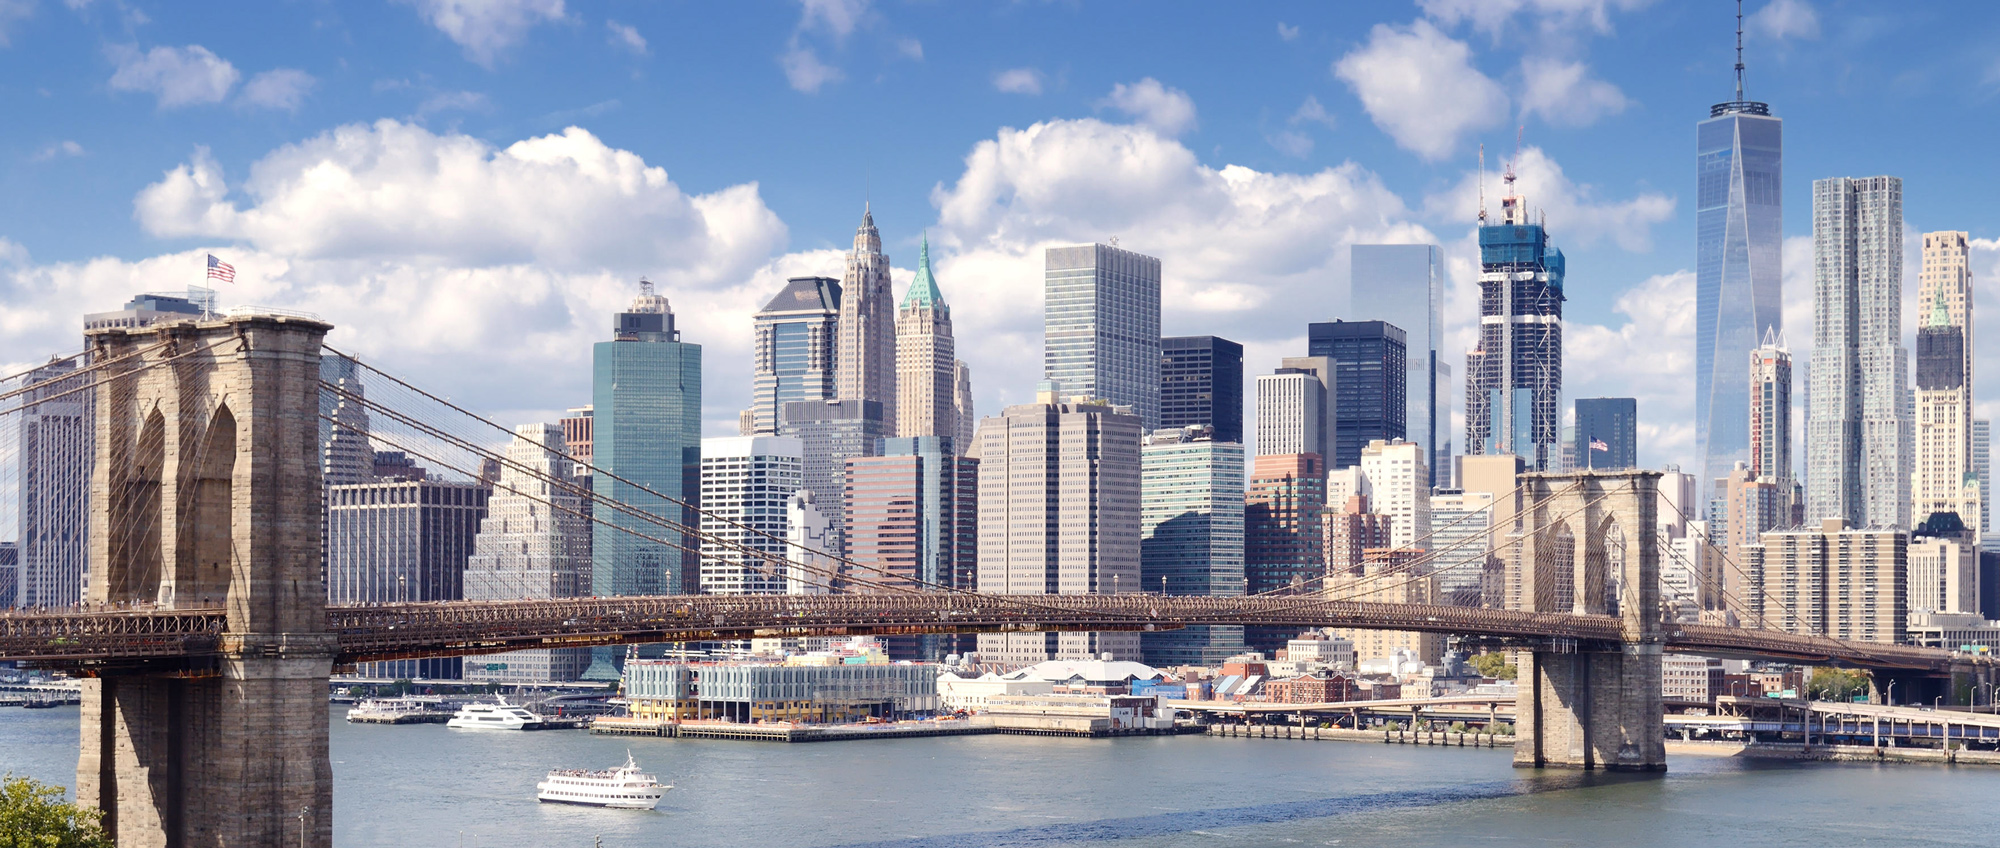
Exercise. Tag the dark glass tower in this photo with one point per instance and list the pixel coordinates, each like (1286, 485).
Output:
(1513, 379)
(1370, 385)
(1607, 433)
(1201, 385)
(794, 351)
(1739, 239)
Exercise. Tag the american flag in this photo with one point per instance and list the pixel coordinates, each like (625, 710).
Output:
(220, 270)
(1598, 444)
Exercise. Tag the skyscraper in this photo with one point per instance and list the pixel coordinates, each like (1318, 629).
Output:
(402, 541)
(345, 454)
(746, 488)
(1399, 487)
(1191, 536)
(533, 543)
(1201, 385)
(866, 361)
(1403, 284)
(1858, 439)
(1370, 385)
(913, 517)
(1059, 489)
(1739, 178)
(645, 432)
(1283, 533)
(1101, 327)
(962, 407)
(54, 454)
(1607, 433)
(926, 368)
(830, 433)
(1513, 379)
(1289, 413)
(1945, 477)
(1771, 411)
(794, 350)
(1982, 465)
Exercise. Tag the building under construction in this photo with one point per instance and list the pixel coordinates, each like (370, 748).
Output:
(1513, 379)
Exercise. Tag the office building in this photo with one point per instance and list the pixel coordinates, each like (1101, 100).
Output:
(1399, 487)
(533, 543)
(1982, 465)
(747, 693)
(1351, 531)
(1201, 385)
(793, 351)
(345, 454)
(1513, 379)
(962, 408)
(10, 575)
(1858, 433)
(866, 362)
(1403, 284)
(1831, 580)
(54, 452)
(1370, 385)
(1389, 576)
(1101, 327)
(1498, 477)
(1283, 534)
(646, 434)
(577, 438)
(1945, 479)
(831, 433)
(155, 307)
(1739, 240)
(1461, 550)
(913, 521)
(1771, 411)
(1059, 490)
(402, 541)
(1944, 567)
(746, 488)
(1191, 536)
(926, 367)
(1607, 434)
(810, 547)
(1291, 412)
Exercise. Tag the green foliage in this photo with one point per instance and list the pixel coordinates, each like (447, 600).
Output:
(33, 815)
(1834, 684)
(1494, 665)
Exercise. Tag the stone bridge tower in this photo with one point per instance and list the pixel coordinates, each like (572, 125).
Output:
(206, 494)
(1589, 546)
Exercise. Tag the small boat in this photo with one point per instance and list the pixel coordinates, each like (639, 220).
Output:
(622, 788)
(496, 716)
(42, 704)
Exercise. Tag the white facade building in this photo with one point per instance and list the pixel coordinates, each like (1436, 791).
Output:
(746, 489)
(534, 543)
(1399, 487)
(809, 536)
(1288, 413)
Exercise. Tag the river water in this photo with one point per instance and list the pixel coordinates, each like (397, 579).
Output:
(425, 785)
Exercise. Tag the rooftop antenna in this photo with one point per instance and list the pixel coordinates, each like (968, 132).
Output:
(1518, 131)
(1739, 51)
(645, 287)
(1482, 184)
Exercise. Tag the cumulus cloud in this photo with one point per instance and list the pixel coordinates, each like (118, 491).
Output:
(1019, 81)
(1295, 142)
(1166, 109)
(1586, 218)
(280, 88)
(830, 20)
(1288, 33)
(805, 71)
(1648, 357)
(1565, 94)
(837, 18)
(626, 36)
(1551, 16)
(910, 48)
(58, 150)
(178, 76)
(486, 28)
(1420, 87)
(1783, 19)
(13, 12)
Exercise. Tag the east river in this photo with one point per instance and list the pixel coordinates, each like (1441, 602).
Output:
(425, 785)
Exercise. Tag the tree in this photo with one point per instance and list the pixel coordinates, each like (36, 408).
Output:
(1837, 684)
(1494, 665)
(33, 815)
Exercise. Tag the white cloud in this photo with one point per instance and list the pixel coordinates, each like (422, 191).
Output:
(837, 18)
(1648, 357)
(910, 48)
(1582, 218)
(58, 150)
(486, 28)
(626, 36)
(1166, 109)
(12, 254)
(1420, 87)
(280, 88)
(1019, 81)
(1311, 112)
(1288, 33)
(1782, 19)
(1295, 142)
(1551, 16)
(13, 12)
(1565, 94)
(805, 71)
(178, 76)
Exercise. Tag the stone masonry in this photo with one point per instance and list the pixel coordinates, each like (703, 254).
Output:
(206, 494)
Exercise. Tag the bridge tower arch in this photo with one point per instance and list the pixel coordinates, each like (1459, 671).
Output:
(206, 495)
(1590, 547)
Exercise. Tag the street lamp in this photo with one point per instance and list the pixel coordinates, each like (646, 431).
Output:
(304, 813)
(1889, 695)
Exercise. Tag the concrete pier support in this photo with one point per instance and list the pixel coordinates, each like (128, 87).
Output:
(206, 494)
(1589, 547)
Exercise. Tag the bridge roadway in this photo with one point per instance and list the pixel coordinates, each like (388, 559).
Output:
(108, 638)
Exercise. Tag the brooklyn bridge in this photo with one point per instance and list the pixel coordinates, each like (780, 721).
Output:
(206, 639)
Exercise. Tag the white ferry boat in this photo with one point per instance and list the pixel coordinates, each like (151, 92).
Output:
(496, 716)
(622, 788)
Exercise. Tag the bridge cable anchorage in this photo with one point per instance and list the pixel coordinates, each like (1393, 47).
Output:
(437, 432)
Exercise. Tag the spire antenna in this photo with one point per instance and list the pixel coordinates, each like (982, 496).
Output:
(1739, 51)
(1482, 184)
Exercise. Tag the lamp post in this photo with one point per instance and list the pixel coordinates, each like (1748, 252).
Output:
(304, 813)
(1889, 695)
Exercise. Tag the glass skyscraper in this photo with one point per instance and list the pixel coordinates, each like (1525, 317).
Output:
(645, 429)
(1370, 384)
(1739, 181)
(1513, 379)
(793, 351)
(1201, 385)
(1403, 284)
(1607, 434)
(1101, 327)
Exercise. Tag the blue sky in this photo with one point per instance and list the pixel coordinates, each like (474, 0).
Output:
(456, 182)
